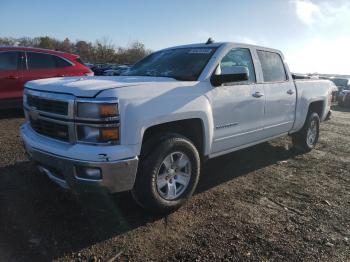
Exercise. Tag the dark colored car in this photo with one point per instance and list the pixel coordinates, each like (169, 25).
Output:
(116, 70)
(99, 69)
(344, 97)
(21, 64)
(341, 83)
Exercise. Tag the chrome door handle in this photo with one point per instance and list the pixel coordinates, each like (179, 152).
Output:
(257, 95)
(290, 92)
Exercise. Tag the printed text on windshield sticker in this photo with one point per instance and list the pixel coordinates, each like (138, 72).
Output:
(200, 51)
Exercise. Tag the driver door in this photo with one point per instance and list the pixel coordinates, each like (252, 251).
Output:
(238, 107)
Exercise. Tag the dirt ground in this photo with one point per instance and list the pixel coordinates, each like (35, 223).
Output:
(266, 203)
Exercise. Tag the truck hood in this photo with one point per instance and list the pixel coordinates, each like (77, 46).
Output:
(92, 86)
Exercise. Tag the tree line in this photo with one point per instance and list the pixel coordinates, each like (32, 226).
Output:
(100, 51)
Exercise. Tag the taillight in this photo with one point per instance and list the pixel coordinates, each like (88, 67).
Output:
(330, 98)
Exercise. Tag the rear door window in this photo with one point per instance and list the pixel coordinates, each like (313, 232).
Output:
(272, 66)
(40, 61)
(9, 61)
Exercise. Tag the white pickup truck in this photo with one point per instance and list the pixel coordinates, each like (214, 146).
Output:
(149, 130)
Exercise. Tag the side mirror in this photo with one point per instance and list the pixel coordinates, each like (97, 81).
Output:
(230, 74)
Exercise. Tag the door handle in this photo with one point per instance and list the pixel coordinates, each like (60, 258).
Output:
(12, 77)
(257, 95)
(290, 92)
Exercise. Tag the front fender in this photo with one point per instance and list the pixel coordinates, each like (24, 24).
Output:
(142, 114)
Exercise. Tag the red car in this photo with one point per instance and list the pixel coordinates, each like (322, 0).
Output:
(21, 64)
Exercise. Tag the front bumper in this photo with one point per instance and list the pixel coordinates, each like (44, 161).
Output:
(117, 175)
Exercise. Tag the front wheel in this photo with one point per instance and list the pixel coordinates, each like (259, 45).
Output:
(307, 138)
(168, 175)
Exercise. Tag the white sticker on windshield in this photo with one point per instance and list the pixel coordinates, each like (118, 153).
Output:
(200, 51)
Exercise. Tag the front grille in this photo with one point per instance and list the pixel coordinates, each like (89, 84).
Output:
(48, 105)
(50, 129)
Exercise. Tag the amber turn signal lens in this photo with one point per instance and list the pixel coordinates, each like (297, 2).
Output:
(109, 134)
(108, 110)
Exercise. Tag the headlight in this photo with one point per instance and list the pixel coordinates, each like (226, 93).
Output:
(97, 110)
(96, 134)
(97, 121)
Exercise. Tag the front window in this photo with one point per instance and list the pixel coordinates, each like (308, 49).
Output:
(181, 64)
(239, 57)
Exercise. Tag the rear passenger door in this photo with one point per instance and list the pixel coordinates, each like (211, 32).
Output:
(42, 65)
(280, 94)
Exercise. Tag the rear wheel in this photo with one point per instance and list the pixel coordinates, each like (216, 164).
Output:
(307, 138)
(168, 175)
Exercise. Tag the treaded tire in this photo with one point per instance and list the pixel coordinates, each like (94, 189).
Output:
(300, 139)
(145, 190)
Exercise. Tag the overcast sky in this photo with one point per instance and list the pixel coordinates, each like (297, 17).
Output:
(313, 34)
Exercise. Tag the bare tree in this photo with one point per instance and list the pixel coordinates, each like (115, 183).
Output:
(102, 51)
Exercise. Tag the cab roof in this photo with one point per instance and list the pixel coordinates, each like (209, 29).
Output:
(219, 44)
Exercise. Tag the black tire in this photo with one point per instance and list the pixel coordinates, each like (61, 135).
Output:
(301, 139)
(146, 192)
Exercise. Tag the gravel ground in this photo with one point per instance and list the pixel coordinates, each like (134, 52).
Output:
(266, 203)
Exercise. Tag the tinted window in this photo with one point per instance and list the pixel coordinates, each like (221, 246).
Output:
(272, 66)
(40, 61)
(61, 62)
(9, 61)
(340, 81)
(80, 61)
(240, 57)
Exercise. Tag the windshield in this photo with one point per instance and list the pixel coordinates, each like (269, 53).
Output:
(181, 64)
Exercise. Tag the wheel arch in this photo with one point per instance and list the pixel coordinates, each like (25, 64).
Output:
(317, 107)
(192, 128)
(304, 109)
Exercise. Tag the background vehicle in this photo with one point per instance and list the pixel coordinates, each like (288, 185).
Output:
(89, 65)
(116, 70)
(300, 76)
(21, 64)
(341, 83)
(99, 69)
(149, 130)
(344, 97)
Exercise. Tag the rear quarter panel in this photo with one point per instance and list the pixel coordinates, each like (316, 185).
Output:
(309, 91)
